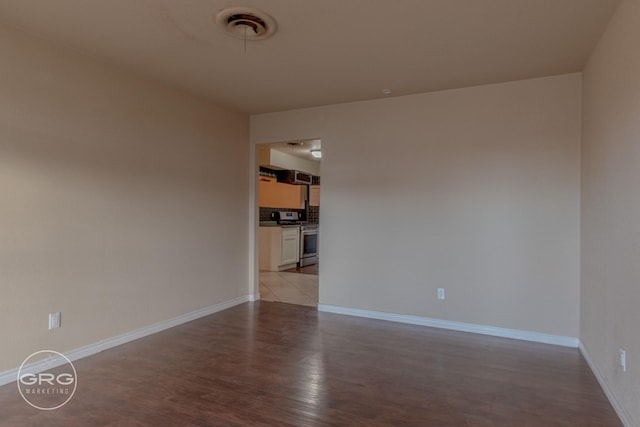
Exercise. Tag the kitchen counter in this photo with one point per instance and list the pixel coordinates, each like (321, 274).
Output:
(275, 224)
(268, 223)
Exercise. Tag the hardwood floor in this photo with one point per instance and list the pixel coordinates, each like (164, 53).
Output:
(274, 364)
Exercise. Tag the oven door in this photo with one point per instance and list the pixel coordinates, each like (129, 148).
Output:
(308, 247)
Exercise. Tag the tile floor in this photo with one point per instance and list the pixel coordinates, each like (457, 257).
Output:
(293, 288)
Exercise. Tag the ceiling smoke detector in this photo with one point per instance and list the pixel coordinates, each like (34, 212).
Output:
(246, 23)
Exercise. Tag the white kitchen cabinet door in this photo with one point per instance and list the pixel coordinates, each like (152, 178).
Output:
(279, 248)
(290, 245)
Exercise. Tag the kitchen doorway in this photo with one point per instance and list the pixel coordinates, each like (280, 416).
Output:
(288, 194)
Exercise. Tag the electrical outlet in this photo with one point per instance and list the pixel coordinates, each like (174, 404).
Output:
(441, 293)
(54, 320)
(623, 360)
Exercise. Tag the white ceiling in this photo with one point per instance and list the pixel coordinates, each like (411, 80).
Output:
(300, 149)
(325, 51)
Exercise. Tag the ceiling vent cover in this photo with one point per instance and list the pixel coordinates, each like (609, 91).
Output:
(246, 23)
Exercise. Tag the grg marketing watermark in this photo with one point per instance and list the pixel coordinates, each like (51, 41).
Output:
(47, 380)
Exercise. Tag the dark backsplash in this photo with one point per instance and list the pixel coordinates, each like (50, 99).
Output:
(313, 215)
(265, 213)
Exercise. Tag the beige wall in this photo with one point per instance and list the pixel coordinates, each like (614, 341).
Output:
(476, 190)
(610, 297)
(123, 203)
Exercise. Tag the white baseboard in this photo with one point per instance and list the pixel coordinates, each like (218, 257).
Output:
(11, 375)
(455, 326)
(622, 414)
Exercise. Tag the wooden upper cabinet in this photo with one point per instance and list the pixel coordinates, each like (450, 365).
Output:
(314, 195)
(273, 194)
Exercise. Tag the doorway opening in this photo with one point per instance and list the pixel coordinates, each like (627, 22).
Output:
(288, 193)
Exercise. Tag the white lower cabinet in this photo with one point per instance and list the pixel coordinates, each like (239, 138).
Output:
(290, 245)
(279, 248)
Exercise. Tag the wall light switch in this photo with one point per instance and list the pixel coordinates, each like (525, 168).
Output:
(623, 360)
(54, 320)
(441, 293)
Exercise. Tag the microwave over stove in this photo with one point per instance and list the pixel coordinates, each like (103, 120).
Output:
(295, 177)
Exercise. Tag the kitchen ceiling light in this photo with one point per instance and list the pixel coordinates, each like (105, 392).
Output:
(316, 153)
(246, 23)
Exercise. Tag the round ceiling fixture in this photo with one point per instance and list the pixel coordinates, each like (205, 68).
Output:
(246, 23)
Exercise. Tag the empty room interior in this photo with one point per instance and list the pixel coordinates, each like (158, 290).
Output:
(417, 213)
